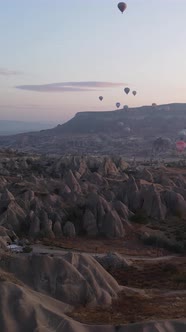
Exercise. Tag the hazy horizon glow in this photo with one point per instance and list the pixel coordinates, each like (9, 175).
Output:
(57, 56)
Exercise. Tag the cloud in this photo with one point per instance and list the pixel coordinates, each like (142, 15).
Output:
(70, 86)
(8, 72)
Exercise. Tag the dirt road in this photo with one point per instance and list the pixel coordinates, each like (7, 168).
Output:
(41, 249)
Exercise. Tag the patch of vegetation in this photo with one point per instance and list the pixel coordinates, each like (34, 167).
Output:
(9, 277)
(174, 229)
(170, 268)
(27, 249)
(140, 218)
(131, 309)
(179, 277)
(161, 241)
(44, 234)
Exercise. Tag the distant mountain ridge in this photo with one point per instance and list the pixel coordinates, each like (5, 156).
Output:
(127, 132)
(94, 122)
(12, 127)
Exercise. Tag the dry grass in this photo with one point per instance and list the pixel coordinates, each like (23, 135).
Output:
(9, 277)
(128, 246)
(173, 228)
(131, 309)
(165, 285)
(169, 275)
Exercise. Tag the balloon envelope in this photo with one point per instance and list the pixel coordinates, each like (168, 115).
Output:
(125, 107)
(127, 130)
(127, 90)
(182, 132)
(180, 145)
(134, 93)
(100, 98)
(161, 144)
(117, 105)
(122, 6)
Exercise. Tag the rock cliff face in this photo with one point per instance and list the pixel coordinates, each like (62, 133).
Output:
(70, 278)
(72, 196)
(39, 293)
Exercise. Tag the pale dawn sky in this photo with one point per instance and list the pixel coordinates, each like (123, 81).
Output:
(50, 47)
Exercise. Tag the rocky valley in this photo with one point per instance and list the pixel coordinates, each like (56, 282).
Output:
(92, 166)
(91, 243)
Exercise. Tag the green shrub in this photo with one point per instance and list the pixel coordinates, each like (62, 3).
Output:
(170, 268)
(180, 278)
(163, 242)
(140, 218)
(27, 249)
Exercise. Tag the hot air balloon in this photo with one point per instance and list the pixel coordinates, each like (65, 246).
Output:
(100, 98)
(117, 105)
(127, 90)
(122, 6)
(182, 134)
(125, 107)
(154, 106)
(161, 144)
(180, 146)
(127, 130)
(134, 93)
